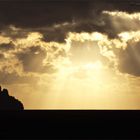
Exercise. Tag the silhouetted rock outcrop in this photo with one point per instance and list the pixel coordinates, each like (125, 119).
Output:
(9, 102)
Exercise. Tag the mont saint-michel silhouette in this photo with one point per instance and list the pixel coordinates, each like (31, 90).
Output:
(8, 102)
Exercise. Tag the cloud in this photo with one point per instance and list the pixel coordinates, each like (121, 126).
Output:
(32, 59)
(13, 78)
(38, 51)
(32, 54)
(1, 56)
(4, 39)
(110, 23)
(7, 46)
(121, 53)
(69, 47)
(24, 60)
(91, 47)
(83, 16)
(85, 52)
(129, 59)
(117, 22)
(13, 32)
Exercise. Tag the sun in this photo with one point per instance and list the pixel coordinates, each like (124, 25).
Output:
(93, 66)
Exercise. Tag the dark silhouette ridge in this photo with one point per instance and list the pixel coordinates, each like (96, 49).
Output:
(8, 102)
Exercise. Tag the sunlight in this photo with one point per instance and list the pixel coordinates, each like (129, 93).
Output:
(93, 66)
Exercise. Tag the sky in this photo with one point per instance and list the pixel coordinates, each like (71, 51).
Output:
(71, 54)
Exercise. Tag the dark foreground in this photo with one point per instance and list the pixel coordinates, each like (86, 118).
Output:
(70, 124)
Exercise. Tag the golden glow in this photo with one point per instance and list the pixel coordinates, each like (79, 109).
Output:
(95, 36)
(126, 36)
(86, 78)
(4, 39)
(86, 86)
(93, 66)
(123, 14)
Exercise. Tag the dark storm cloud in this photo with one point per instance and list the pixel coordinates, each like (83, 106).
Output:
(33, 15)
(36, 14)
(14, 33)
(40, 13)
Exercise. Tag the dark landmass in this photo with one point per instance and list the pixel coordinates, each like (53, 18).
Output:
(8, 102)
